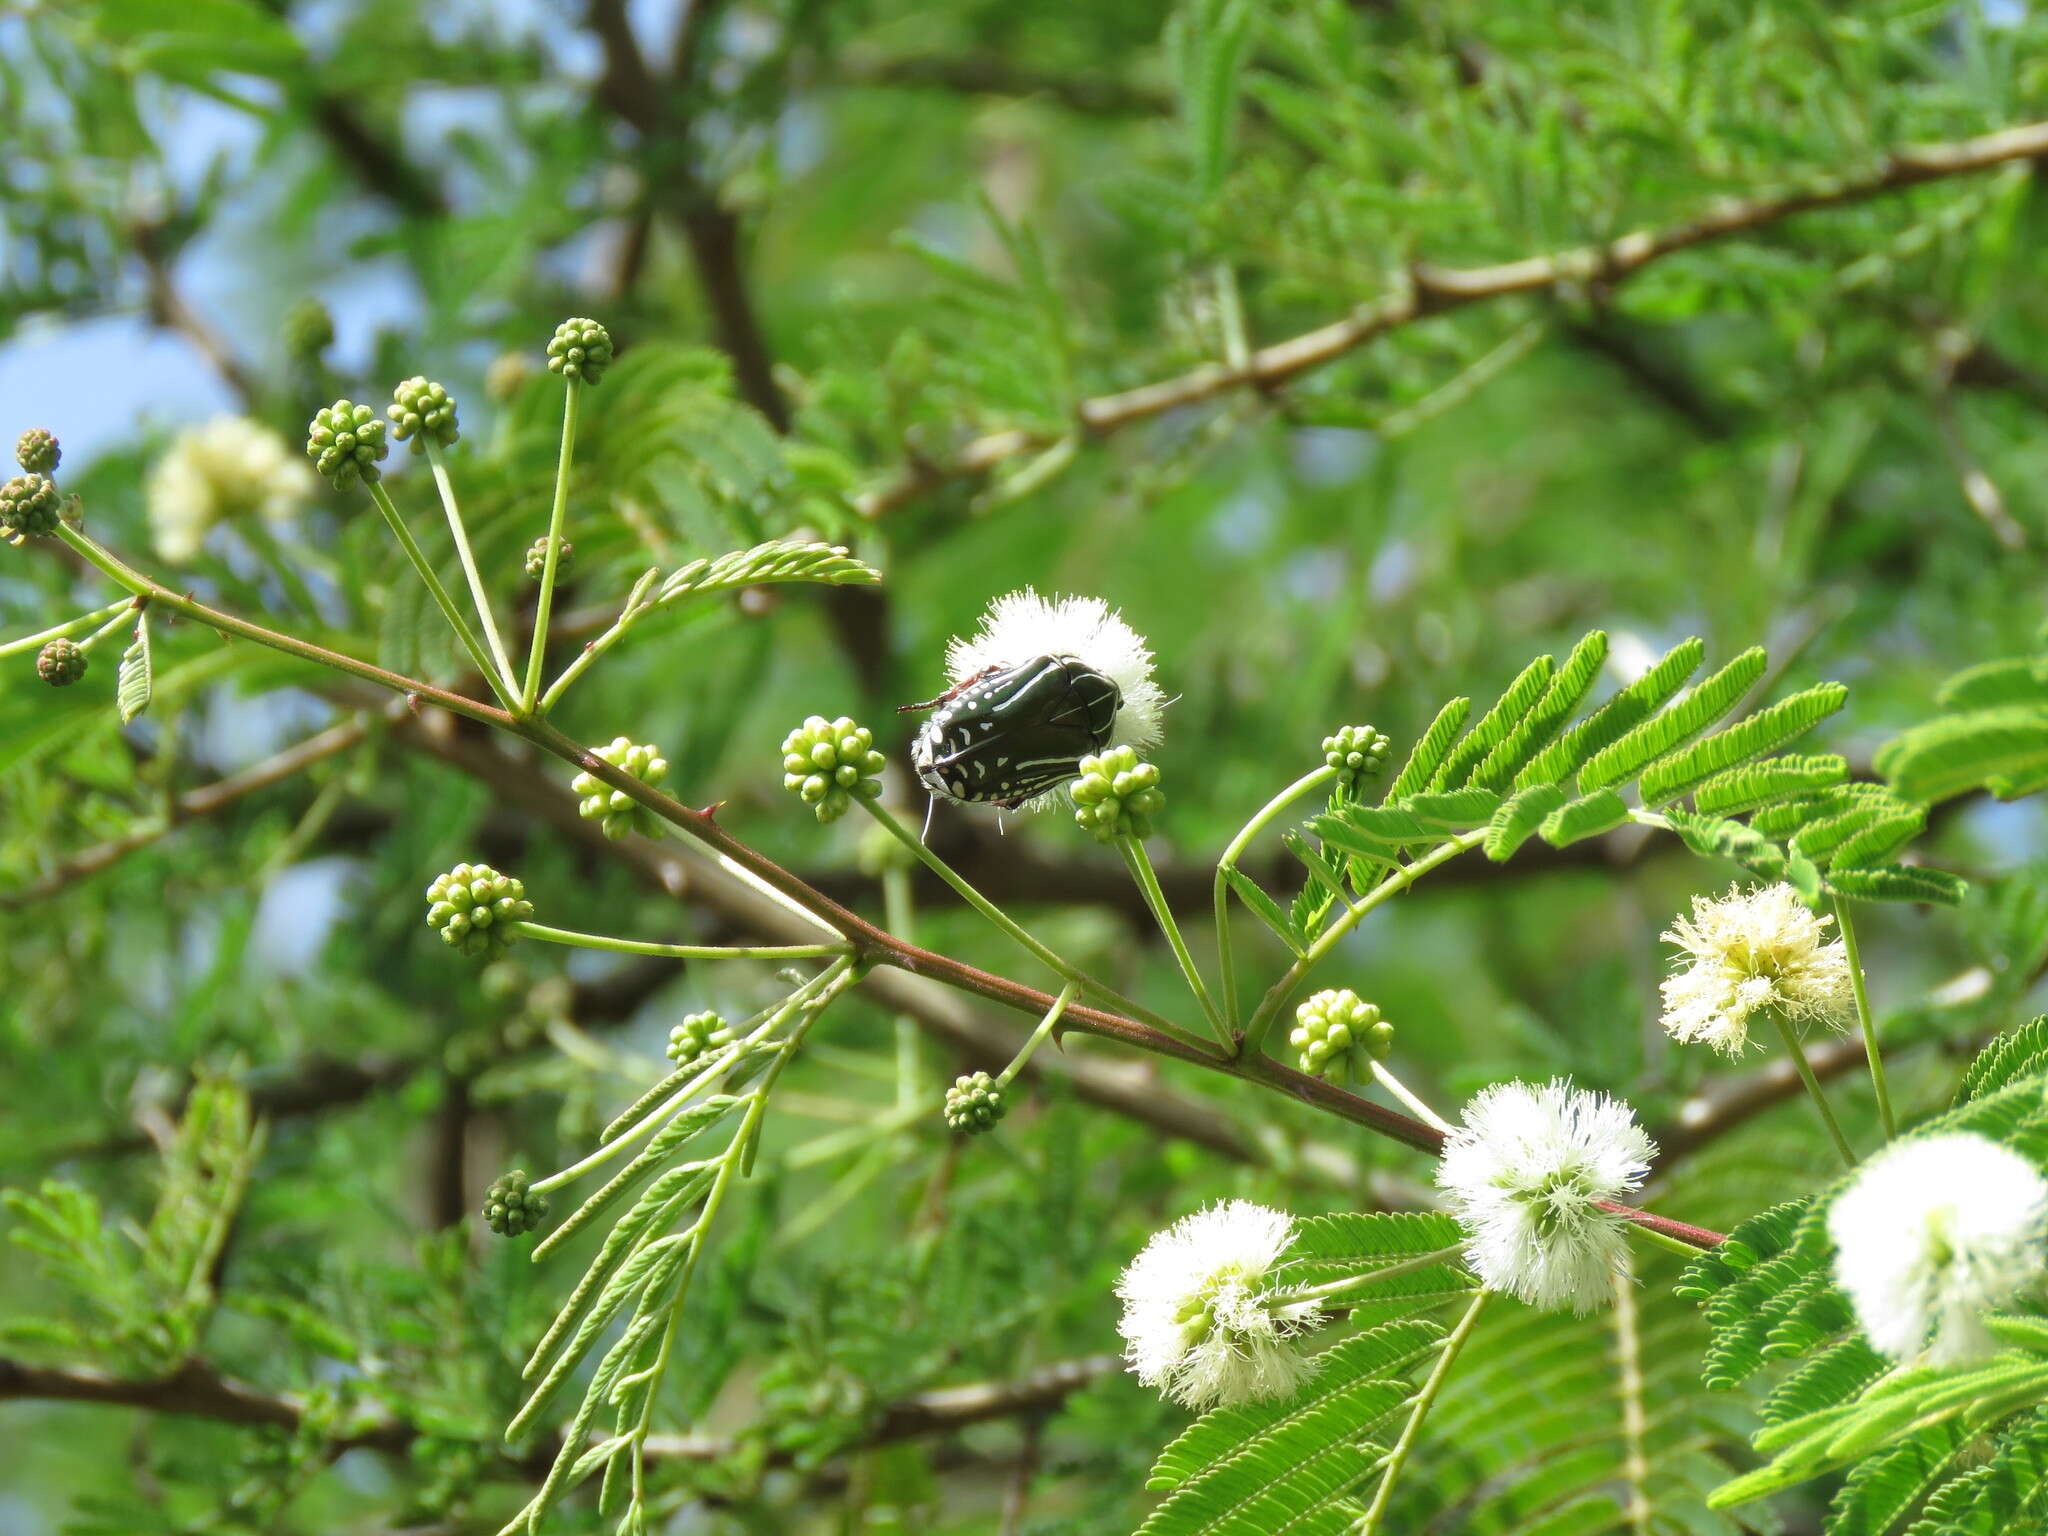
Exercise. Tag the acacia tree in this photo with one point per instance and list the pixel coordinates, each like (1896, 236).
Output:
(1216, 316)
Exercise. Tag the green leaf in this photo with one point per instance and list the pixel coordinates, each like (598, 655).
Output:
(1899, 882)
(1607, 724)
(2021, 1051)
(1561, 697)
(778, 560)
(2013, 680)
(1495, 726)
(2006, 747)
(1587, 816)
(1774, 778)
(1767, 729)
(1266, 908)
(1713, 698)
(137, 678)
(1429, 751)
(1518, 817)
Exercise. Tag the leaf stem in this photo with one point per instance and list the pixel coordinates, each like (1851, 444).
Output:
(1353, 1282)
(1045, 1027)
(228, 624)
(1664, 1240)
(1400, 1090)
(1805, 1069)
(592, 649)
(1865, 1021)
(1439, 1373)
(1001, 919)
(557, 516)
(1140, 865)
(65, 630)
(1397, 881)
(477, 589)
(680, 951)
(1227, 961)
(456, 622)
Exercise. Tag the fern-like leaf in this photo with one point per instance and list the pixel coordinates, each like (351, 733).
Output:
(1664, 733)
(1765, 731)
(1774, 778)
(1614, 719)
(2004, 748)
(1430, 750)
(1561, 697)
(1495, 726)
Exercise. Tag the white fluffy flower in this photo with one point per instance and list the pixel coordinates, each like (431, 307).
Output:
(1931, 1234)
(1753, 950)
(229, 468)
(1196, 1323)
(1022, 625)
(1522, 1175)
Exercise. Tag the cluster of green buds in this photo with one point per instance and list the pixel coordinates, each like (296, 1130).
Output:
(1357, 752)
(619, 811)
(37, 452)
(511, 1208)
(421, 412)
(696, 1037)
(974, 1104)
(308, 330)
(825, 763)
(580, 349)
(537, 558)
(1335, 1031)
(345, 443)
(474, 907)
(1117, 795)
(29, 506)
(61, 663)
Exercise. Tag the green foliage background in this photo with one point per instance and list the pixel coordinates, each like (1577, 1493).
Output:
(840, 247)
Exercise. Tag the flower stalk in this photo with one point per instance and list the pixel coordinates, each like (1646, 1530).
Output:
(1308, 783)
(558, 515)
(1813, 1089)
(1140, 865)
(442, 600)
(1864, 1019)
(459, 531)
(576, 940)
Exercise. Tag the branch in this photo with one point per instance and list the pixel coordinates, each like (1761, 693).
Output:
(991, 74)
(1432, 290)
(196, 1390)
(1127, 1088)
(196, 803)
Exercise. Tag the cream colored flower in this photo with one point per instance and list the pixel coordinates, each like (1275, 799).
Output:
(1753, 950)
(229, 468)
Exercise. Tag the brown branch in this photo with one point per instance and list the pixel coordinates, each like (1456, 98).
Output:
(169, 309)
(1126, 1088)
(1433, 290)
(204, 801)
(991, 74)
(196, 1390)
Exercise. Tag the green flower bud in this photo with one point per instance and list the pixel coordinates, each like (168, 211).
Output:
(974, 1104)
(698, 1035)
(618, 810)
(60, 663)
(581, 349)
(472, 905)
(1357, 752)
(1117, 795)
(825, 763)
(421, 412)
(537, 558)
(37, 452)
(29, 506)
(511, 1208)
(508, 370)
(308, 330)
(345, 442)
(1334, 1030)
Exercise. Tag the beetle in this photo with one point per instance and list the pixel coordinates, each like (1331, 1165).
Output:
(1007, 734)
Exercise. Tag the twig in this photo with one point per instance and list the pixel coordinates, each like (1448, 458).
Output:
(1432, 290)
(204, 801)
